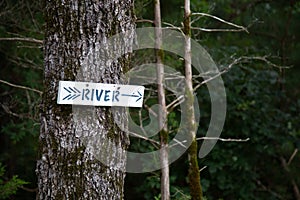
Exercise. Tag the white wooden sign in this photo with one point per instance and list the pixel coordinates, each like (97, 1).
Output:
(100, 94)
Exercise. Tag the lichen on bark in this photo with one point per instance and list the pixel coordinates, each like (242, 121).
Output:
(67, 168)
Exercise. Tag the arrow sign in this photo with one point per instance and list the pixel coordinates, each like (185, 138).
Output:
(133, 95)
(73, 93)
(100, 94)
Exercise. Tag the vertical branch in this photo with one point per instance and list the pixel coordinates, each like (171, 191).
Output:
(193, 172)
(164, 157)
(187, 50)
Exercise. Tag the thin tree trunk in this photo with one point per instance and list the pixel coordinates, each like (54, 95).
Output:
(292, 180)
(164, 157)
(75, 33)
(193, 172)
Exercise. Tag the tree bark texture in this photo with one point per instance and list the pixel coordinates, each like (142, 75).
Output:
(193, 172)
(76, 32)
(162, 115)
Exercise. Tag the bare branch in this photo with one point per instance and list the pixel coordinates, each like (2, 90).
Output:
(145, 20)
(29, 189)
(181, 193)
(145, 138)
(21, 87)
(223, 139)
(141, 122)
(175, 103)
(265, 188)
(34, 22)
(217, 30)
(203, 168)
(209, 79)
(261, 58)
(30, 46)
(20, 39)
(8, 111)
(243, 59)
(153, 142)
(292, 157)
(294, 184)
(151, 111)
(240, 28)
(173, 27)
(179, 143)
(25, 63)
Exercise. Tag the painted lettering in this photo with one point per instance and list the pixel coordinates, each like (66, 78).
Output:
(87, 93)
(82, 94)
(115, 96)
(106, 96)
(92, 95)
(98, 95)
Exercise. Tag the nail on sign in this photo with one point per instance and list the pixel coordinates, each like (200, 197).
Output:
(100, 94)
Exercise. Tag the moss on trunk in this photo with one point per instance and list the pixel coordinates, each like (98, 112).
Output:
(67, 168)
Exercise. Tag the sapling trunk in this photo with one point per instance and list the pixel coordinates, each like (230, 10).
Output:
(193, 171)
(164, 157)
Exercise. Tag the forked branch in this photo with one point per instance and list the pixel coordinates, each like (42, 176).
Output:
(239, 28)
(21, 39)
(21, 87)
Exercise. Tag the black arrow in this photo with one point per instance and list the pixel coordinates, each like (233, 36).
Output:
(71, 91)
(134, 95)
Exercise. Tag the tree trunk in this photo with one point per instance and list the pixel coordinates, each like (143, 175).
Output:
(162, 114)
(193, 172)
(75, 36)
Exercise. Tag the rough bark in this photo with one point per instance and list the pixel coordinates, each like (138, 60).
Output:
(75, 33)
(162, 115)
(193, 172)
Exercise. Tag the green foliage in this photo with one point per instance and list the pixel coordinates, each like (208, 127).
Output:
(21, 64)
(258, 108)
(262, 101)
(9, 187)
